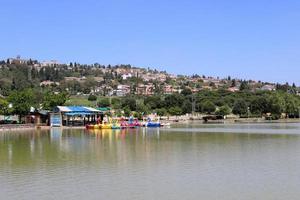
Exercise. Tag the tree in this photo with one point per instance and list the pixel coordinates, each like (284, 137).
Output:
(130, 102)
(4, 107)
(186, 91)
(186, 107)
(175, 111)
(244, 86)
(208, 107)
(51, 100)
(223, 110)
(240, 107)
(116, 103)
(103, 102)
(161, 112)
(276, 104)
(142, 108)
(259, 105)
(233, 83)
(291, 105)
(22, 101)
(174, 100)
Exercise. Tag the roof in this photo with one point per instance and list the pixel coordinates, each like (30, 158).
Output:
(76, 110)
(104, 108)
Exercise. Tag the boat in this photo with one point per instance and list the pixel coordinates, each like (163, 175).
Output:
(165, 124)
(130, 124)
(106, 126)
(116, 126)
(152, 124)
(92, 126)
(99, 126)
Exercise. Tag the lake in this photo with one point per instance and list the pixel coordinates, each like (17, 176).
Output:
(191, 161)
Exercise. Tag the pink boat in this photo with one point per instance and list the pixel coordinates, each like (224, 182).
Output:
(134, 124)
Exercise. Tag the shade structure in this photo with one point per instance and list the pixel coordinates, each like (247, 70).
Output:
(77, 110)
(77, 115)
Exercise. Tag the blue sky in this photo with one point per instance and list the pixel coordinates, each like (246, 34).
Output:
(256, 39)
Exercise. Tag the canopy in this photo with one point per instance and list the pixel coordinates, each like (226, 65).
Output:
(77, 110)
(103, 109)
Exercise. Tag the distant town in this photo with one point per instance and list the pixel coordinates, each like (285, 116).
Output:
(29, 84)
(118, 80)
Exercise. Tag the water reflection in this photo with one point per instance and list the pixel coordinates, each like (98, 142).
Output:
(148, 163)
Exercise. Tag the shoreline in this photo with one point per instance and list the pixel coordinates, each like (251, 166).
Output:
(20, 127)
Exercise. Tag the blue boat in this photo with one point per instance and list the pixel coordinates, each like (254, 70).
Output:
(152, 124)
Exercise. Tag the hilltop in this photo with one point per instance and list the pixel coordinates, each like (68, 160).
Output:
(118, 80)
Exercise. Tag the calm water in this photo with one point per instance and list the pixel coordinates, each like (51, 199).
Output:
(258, 161)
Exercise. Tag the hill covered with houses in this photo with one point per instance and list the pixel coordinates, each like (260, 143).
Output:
(118, 80)
(27, 83)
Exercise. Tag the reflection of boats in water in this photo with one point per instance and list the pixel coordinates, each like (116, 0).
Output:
(122, 124)
(115, 125)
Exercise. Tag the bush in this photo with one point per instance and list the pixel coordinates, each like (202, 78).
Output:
(103, 102)
(92, 97)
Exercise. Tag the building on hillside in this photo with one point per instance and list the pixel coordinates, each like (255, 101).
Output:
(146, 90)
(168, 89)
(123, 90)
(126, 76)
(49, 83)
(233, 89)
(206, 87)
(99, 79)
(195, 90)
(51, 63)
(17, 61)
(268, 88)
(79, 79)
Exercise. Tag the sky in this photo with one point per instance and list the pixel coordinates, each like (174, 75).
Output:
(257, 39)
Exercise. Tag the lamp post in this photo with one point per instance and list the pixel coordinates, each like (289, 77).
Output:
(248, 110)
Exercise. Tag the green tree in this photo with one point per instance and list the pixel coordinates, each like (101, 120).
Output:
(175, 111)
(174, 100)
(186, 107)
(116, 103)
(259, 105)
(240, 107)
(161, 112)
(244, 86)
(223, 110)
(103, 102)
(208, 107)
(186, 91)
(130, 102)
(4, 107)
(276, 104)
(291, 105)
(52, 100)
(22, 101)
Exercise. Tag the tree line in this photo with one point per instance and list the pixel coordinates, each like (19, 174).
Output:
(220, 102)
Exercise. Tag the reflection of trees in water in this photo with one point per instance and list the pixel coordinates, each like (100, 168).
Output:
(102, 148)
